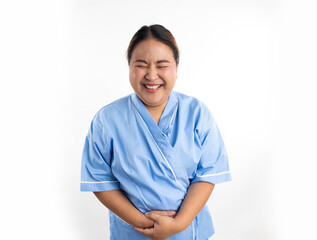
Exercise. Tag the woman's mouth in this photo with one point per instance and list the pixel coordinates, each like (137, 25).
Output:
(152, 86)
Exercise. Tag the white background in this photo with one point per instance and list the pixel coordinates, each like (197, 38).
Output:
(252, 62)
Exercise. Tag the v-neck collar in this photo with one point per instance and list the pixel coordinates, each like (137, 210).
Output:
(167, 117)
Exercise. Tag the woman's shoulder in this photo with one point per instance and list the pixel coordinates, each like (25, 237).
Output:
(112, 110)
(190, 102)
(194, 109)
(113, 106)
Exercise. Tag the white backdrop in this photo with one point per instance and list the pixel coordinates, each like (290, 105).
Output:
(253, 62)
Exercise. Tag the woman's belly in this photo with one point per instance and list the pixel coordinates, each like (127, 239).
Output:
(147, 195)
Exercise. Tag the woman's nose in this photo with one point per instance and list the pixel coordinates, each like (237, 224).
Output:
(151, 74)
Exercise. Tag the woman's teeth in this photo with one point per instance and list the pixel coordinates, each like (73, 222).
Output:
(152, 86)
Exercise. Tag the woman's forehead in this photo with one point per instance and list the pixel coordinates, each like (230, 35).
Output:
(153, 49)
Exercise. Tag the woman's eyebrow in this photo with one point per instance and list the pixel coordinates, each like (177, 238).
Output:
(158, 62)
(162, 61)
(141, 61)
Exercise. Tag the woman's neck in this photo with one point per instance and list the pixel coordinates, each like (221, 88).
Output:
(156, 112)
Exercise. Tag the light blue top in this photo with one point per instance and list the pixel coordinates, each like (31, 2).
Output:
(154, 164)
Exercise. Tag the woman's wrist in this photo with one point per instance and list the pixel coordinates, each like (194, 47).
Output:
(144, 222)
(180, 223)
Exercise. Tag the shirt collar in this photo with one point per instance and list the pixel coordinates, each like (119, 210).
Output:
(167, 117)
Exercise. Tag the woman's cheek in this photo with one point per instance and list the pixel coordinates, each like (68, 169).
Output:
(169, 72)
(136, 73)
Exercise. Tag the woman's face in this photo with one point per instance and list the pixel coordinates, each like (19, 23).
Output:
(153, 72)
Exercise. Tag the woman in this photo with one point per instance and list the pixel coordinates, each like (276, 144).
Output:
(153, 157)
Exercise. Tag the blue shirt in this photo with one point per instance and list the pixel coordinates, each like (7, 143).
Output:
(154, 164)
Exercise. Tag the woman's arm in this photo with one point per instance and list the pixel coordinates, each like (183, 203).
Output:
(195, 199)
(118, 203)
(197, 196)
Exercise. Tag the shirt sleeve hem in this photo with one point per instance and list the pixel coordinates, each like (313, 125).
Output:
(213, 178)
(99, 186)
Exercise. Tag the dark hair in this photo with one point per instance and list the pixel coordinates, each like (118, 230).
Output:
(157, 32)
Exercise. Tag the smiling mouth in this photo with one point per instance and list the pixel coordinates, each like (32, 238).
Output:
(152, 86)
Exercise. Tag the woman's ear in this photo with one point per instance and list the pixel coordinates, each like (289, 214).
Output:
(177, 64)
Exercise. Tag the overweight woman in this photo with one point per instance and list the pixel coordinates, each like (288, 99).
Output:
(153, 157)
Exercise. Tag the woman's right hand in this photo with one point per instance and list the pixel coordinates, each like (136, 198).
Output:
(149, 223)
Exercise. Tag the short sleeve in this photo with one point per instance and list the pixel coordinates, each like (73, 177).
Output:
(96, 174)
(213, 166)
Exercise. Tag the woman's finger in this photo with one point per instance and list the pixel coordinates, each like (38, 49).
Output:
(164, 213)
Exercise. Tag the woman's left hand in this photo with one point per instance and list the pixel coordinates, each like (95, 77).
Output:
(164, 227)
